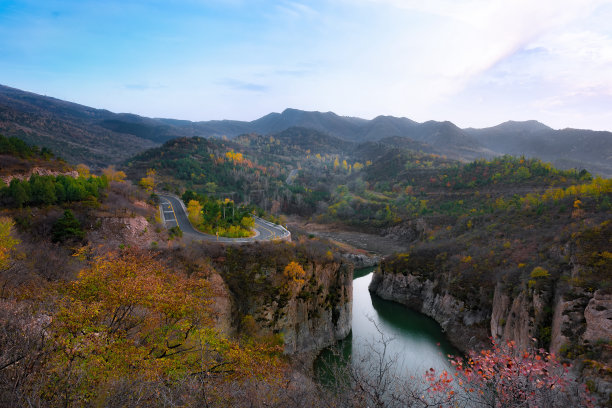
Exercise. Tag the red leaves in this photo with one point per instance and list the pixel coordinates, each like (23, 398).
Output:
(505, 375)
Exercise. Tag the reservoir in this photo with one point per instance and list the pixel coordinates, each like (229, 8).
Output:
(416, 342)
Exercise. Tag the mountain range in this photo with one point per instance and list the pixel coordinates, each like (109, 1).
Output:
(99, 137)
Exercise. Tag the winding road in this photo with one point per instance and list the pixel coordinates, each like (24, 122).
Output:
(174, 214)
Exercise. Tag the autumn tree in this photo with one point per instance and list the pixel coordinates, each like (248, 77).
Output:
(194, 212)
(83, 170)
(128, 317)
(503, 376)
(113, 174)
(148, 182)
(296, 276)
(247, 222)
(7, 241)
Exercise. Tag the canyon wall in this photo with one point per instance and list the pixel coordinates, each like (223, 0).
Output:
(568, 320)
(316, 313)
(295, 292)
(465, 328)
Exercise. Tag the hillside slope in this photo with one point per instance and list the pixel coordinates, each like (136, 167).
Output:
(99, 137)
(566, 148)
(80, 133)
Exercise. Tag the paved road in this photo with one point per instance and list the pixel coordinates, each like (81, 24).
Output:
(174, 213)
(291, 177)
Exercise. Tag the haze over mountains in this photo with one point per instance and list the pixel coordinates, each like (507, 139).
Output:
(99, 137)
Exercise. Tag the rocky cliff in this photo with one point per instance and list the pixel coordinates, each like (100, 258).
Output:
(318, 312)
(556, 311)
(41, 171)
(464, 326)
(308, 305)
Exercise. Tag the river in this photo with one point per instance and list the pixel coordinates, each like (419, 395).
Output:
(418, 341)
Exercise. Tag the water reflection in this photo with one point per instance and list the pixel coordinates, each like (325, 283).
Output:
(418, 341)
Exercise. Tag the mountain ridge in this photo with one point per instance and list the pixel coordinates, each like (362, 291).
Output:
(100, 137)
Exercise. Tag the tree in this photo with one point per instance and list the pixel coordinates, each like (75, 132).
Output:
(7, 242)
(83, 170)
(506, 377)
(247, 222)
(67, 227)
(19, 193)
(127, 318)
(194, 212)
(295, 272)
(113, 174)
(148, 182)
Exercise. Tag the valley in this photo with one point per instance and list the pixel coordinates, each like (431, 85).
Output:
(488, 245)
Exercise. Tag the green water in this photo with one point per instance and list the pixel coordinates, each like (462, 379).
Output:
(418, 341)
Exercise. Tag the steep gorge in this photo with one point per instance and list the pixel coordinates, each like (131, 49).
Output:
(309, 311)
(562, 315)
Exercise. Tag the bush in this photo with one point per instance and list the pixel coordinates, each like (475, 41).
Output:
(539, 272)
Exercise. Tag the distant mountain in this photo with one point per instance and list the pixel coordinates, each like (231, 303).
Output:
(410, 144)
(313, 140)
(343, 127)
(99, 137)
(78, 133)
(566, 148)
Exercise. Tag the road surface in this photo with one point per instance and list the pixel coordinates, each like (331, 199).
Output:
(291, 177)
(174, 214)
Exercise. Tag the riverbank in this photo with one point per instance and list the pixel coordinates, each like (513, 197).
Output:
(414, 342)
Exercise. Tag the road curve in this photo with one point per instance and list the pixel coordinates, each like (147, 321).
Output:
(174, 213)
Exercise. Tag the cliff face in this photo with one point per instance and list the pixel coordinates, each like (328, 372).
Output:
(519, 319)
(554, 314)
(465, 327)
(297, 291)
(313, 314)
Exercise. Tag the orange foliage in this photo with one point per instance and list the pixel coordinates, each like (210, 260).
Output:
(294, 271)
(128, 316)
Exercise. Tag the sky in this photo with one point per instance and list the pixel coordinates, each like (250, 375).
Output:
(476, 63)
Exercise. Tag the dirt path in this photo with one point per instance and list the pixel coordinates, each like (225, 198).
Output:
(375, 244)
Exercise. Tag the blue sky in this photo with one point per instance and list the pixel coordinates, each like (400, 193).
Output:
(474, 62)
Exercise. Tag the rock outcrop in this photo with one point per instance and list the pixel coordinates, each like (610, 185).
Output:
(41, 171)
(295, 292)
(317, 313)
(598, 317)
(465, 327)
(362, 260)
(519, 319)
(111, 232)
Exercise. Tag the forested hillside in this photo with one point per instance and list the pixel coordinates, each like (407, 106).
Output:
(508, 239)
(101, 305)
(98, 137)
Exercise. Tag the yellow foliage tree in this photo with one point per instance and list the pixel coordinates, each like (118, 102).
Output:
(234, 157)
(83, 170)
(113, 174)
(148, 182)
(295, 272)
(194, 212)
(128, 317)
(247, 222)
(7, 242)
